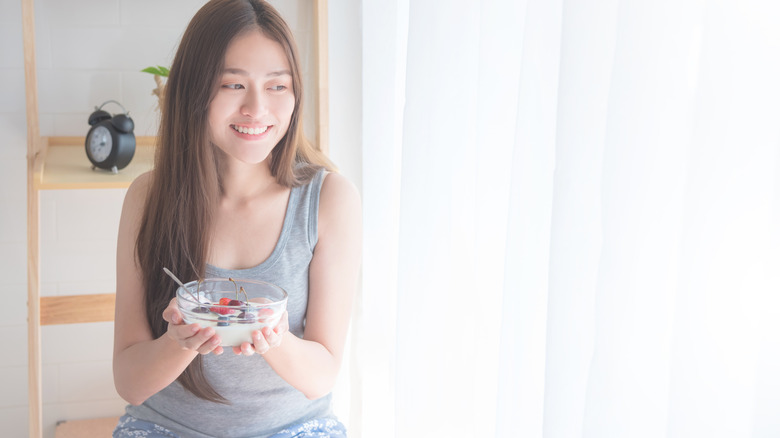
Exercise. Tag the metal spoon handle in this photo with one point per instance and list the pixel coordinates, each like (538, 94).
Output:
(170, 274)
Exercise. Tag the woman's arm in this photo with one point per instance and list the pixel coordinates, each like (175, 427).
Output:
(144, 365)
(312, 364)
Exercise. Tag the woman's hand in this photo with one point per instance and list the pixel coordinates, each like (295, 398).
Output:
(265, 339)
(190, 336)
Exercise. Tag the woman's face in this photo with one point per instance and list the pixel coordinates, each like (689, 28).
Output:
(251, 110)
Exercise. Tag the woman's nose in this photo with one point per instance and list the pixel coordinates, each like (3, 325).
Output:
(254, 104)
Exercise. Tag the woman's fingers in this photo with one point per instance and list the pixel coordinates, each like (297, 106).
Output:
(190, 336)
(265, 339)
(171, 313)
(183, 332)
(260, 342)
(247, 349)
(272, 337)
(283, 325)
(198, 338)
(210, 345)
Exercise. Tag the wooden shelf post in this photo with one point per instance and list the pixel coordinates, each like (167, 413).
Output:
(33, 219)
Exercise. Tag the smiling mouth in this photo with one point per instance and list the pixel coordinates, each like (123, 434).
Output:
(250, 131)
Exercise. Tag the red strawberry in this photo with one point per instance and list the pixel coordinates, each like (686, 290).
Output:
(221, 310)
(224, 301)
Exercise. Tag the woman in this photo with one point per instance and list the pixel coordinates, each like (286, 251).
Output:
(236, 191)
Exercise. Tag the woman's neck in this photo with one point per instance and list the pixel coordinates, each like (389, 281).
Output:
(241, 181)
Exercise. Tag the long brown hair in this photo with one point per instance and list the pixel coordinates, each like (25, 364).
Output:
(176, 226)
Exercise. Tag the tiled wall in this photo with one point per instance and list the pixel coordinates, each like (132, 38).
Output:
(88, 51)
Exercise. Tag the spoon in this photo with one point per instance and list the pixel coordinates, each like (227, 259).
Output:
(170, 274)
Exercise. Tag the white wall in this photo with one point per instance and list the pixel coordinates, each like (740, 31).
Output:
(13, 207)
(89, 51)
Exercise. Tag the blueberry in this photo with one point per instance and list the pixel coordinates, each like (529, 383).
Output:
(222, 321)
(247, 316)
(200, 309)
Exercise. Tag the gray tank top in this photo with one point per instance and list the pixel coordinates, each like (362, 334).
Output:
(262, 403)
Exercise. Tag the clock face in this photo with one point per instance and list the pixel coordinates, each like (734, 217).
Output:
(100, 144)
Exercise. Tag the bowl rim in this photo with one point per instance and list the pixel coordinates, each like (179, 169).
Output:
(182, 295)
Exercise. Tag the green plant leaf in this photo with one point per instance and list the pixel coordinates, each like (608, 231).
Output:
(157, 70)
(152, 70)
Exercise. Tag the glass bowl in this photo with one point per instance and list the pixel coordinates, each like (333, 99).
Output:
(234, 307)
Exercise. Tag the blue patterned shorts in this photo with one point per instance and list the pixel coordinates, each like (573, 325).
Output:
(318, 427)
(131, 427)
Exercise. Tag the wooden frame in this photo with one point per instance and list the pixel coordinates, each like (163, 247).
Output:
(321, 58)
(46, 171)
(34, 376)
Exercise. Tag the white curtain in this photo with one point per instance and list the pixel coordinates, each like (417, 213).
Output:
(572, 218)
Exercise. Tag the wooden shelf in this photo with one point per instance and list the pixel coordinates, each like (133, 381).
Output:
(75, 309)
(63, 164)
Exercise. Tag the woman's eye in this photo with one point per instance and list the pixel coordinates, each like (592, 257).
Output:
(233, 86)
(277, 88)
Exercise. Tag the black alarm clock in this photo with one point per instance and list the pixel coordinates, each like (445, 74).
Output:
(110, 142)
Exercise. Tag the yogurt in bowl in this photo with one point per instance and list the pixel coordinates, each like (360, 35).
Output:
(234, 307)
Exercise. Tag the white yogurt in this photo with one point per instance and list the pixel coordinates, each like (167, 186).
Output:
(234, 334)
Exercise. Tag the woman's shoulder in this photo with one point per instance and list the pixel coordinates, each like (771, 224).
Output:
(142, 181)
(339, 201)
(136, 195)
(337, 188)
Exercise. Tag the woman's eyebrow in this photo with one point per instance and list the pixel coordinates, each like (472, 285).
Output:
(242, 72)
(280, 73)
(235, 71)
